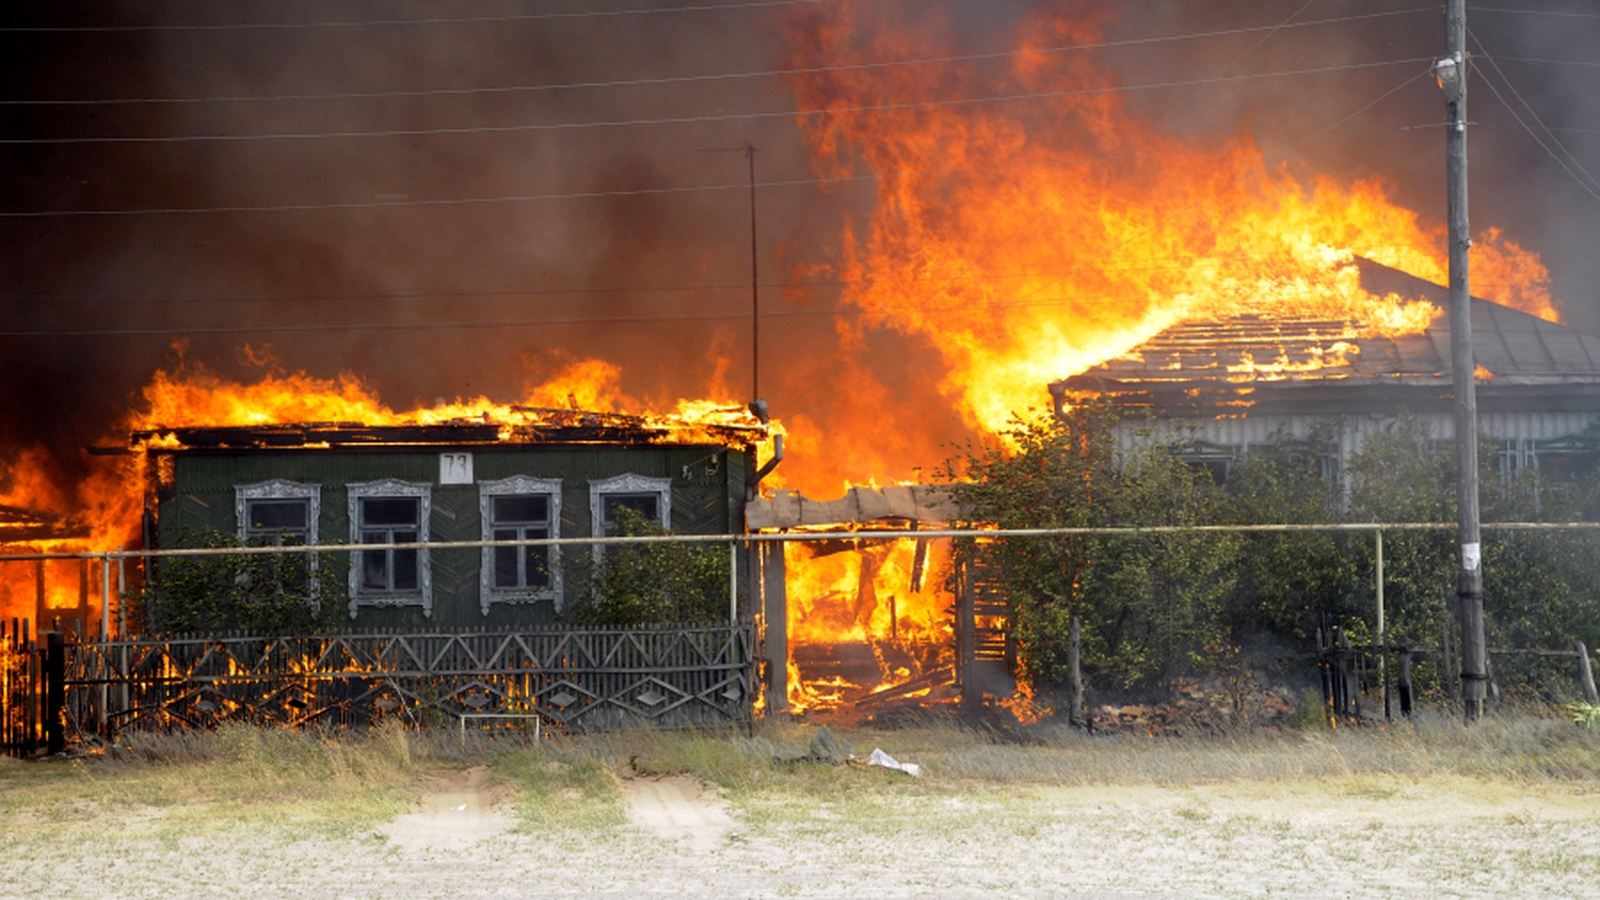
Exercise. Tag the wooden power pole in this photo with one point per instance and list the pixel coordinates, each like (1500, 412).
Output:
(1452, 75)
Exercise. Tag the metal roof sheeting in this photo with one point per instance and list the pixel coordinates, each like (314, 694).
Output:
(1252, 364)
(859, 505)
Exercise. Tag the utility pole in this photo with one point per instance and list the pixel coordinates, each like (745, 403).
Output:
(1452, 75)
(748, 150)
(755, 296)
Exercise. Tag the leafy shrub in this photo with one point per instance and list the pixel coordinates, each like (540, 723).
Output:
(263, 593)
(651, 584)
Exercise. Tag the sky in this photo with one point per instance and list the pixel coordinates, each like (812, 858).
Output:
(458, 199)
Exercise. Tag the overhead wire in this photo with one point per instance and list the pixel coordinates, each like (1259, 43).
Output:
(640, 192)
(698, 315)
(692, 79)
(1585, 63)
(1534, 12)
(1020, 302)
(1271, 31)
(391, 23)
(1570, 163)
(536, 127)
(1151, 264)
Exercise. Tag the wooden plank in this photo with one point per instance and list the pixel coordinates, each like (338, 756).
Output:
(1585, 673)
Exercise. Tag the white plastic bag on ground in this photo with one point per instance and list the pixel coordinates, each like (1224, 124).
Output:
(884, 760)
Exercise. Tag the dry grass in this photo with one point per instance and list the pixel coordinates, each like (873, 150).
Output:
(1401, 811)
(1522, 747)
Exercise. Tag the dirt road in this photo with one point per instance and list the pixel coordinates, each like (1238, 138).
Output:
(1376, 837)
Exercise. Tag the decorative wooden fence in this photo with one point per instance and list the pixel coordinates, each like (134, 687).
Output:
(571, 680)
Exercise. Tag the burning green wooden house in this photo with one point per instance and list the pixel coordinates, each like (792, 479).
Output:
(540, 474)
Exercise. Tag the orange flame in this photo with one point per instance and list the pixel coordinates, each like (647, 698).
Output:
(1030, 241)
(105, 506)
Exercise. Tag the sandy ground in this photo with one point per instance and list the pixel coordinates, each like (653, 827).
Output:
(462, 811)
(1391, 837)
(677, 808)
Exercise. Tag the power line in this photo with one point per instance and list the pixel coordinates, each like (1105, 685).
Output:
(1535, 12)
(696, 316)
(1271, 30)
(640, 192)
(967, 273)
(1586, 181)
(387, 23)
(693, 79)
(995, 274)
(1586, 63)
(700, 119)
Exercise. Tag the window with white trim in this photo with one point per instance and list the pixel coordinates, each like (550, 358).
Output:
(281, 513)
(649, 497)
(277, 513)
(520, 508)
(390, 512)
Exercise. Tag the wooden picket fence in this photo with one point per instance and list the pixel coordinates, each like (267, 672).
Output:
(59, 690)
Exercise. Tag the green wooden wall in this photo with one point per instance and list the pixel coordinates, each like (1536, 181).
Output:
(708, 484)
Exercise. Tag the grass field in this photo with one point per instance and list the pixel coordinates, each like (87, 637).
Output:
(1510, 807)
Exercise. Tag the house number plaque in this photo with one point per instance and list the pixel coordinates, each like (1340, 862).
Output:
(455, 468)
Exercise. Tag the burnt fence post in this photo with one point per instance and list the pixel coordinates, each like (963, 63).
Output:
(1404, 681)
(55, 677)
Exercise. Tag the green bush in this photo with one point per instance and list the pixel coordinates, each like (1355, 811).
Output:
(1148, 603)
(636, 585)
(262, 593)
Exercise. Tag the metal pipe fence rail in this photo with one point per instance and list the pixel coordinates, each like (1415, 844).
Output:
(126, 681)
(571, 680)
(114, 561)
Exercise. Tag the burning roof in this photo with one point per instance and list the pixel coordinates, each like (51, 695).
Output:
(1295, 364)
(728, 426)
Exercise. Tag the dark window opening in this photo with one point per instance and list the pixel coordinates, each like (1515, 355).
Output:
(521, 517)
(1217, 468)
(1561, 466)
(281, 523)
(390, 520)
(277, 522)
(647, 505)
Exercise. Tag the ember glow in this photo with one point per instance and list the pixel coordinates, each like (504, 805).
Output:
(863, 619)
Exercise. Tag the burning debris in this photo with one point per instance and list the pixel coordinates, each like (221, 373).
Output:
(26, 526)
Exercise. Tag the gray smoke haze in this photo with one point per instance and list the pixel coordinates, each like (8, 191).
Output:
(351, 275)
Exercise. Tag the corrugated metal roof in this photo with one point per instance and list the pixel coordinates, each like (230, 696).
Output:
(859, 505)
(1244, 360)
(1511, 344)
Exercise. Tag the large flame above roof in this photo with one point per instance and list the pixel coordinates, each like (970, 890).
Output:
(1028, 241)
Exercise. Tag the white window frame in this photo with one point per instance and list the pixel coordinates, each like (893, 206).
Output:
(392, 487)
(278, 489)
(283, 489)
(626, 483)
(517, 485)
